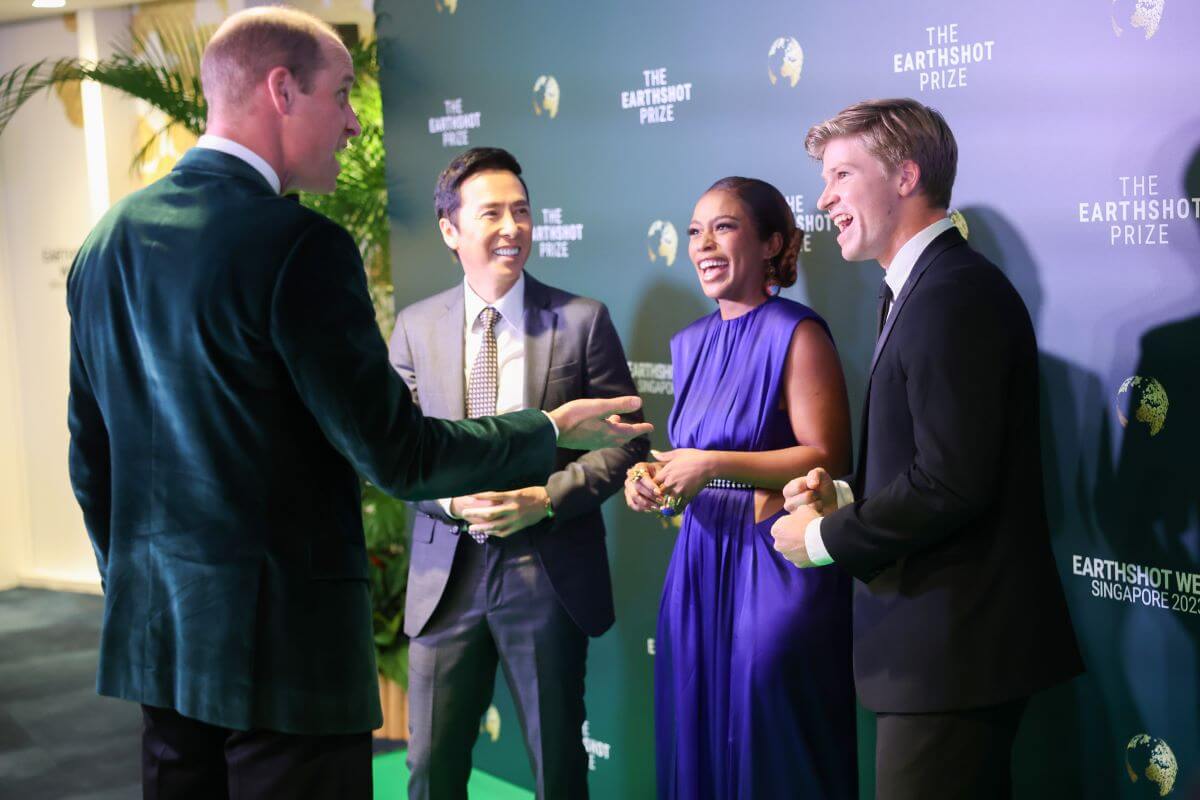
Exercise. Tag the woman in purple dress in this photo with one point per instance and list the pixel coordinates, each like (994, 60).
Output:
(754, 696)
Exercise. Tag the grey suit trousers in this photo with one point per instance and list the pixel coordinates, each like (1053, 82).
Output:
(498, 608)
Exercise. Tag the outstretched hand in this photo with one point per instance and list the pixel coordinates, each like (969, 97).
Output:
(593, 423)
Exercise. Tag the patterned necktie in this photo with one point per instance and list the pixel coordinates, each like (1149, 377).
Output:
(484, 380)
(885, 305)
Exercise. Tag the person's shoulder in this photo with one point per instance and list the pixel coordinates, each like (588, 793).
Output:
(433, 304)
(963, 274)
(792, 311)
(560, 299)
(694, 329)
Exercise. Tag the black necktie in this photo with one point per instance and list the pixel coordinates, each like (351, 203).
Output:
(885, 305)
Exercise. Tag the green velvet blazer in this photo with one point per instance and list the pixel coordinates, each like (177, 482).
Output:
(227, 380)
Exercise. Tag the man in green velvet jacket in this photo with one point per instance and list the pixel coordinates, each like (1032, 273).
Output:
(227, 380)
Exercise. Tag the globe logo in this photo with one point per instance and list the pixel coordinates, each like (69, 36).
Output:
(785, 61)
(1151, 760)
(1146, 14)
(490, 724)
(545, 96)
(960, 222)
(446, 5)
(662, 242)
(1143, 400)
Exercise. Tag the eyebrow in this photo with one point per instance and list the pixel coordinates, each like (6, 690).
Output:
(718, 219)
(500, 204)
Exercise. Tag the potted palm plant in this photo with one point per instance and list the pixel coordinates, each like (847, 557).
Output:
(161, 67)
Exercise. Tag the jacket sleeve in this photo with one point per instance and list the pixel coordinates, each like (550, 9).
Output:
(323, 327)
(88, 460)
(957, 360)
(585, 483)
(400, 356)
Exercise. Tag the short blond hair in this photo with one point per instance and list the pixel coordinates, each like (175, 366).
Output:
(894, 131)
(251, 43)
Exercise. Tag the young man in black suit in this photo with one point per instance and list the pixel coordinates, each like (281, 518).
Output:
(959, 615)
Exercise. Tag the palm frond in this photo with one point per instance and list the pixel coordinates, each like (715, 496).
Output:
(161, 68)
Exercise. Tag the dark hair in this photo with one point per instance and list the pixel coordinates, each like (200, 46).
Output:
(770, 214)
(446, 197)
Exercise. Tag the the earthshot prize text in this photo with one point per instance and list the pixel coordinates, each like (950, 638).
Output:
(1170, 589)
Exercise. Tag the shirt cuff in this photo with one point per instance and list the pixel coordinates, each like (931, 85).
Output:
(444, 502)
(815, 546)
(552, 425)
(845, 495)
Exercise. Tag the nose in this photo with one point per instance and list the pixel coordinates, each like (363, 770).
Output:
(353, 128)
(508, 224)
(704, 240)
(827, 199)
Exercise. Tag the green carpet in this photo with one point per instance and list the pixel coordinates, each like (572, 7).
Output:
(391, 782)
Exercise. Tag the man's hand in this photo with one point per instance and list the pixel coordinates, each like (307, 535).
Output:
(815, 490)
(789, 532)
(590, 424)
(504, 513)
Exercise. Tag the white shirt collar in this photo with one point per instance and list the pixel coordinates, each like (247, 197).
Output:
(906, 256)
(511, 306)
(230, 147)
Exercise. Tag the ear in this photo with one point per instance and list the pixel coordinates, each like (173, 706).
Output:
(449, 233)
(909, 175)
(282, 88)
(773, 246)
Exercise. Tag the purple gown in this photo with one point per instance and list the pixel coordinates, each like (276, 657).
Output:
(754, 696)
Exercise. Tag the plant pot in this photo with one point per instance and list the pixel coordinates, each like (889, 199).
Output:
(394, 700)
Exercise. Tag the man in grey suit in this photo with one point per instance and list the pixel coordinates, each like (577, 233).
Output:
(517, 575)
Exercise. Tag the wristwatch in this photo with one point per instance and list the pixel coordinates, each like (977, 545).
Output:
(549, 507)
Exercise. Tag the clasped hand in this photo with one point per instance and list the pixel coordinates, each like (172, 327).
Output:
(805, 498)
(501, 513)
(680, 473)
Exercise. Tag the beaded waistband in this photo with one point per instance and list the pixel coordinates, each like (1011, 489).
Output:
(721, 483)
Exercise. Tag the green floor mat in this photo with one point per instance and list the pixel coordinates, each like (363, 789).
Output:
(391, 782)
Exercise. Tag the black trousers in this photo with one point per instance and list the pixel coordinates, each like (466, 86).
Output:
(499, 608)
(184, 759)
(951, 755)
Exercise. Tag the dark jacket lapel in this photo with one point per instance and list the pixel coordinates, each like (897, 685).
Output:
(936, 248)
(446, 352)
(540, 322)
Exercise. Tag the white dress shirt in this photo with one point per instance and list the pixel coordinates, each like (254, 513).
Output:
(510, 347)
(896, 276)
(230, 147)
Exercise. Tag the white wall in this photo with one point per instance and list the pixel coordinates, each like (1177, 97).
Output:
(45, 211)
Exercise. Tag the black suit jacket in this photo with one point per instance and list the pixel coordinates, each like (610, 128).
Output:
(227, 378)
(571, 351)
(958, 603)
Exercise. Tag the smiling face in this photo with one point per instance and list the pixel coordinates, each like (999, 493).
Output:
(320, 123)
(730, 259)
(492, 231)
(863, 198)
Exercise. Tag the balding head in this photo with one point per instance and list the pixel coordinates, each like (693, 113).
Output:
(251, 43)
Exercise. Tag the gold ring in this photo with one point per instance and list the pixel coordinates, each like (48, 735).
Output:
(635, 474)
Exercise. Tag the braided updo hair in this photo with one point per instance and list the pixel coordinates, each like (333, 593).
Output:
(770, 214)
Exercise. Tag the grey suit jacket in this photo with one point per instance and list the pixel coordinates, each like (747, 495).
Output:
(571, 351)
